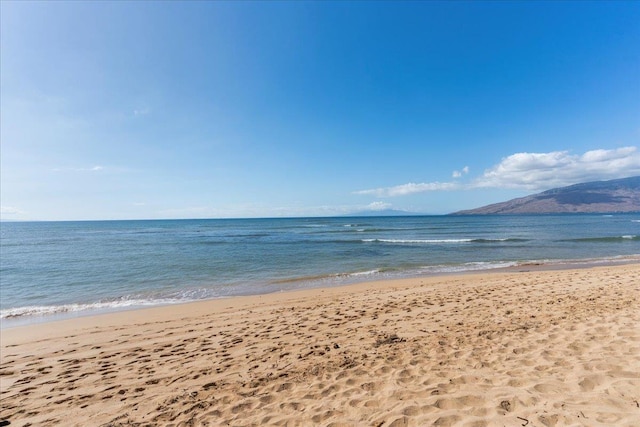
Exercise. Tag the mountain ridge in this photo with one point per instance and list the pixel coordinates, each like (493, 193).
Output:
(612, 196)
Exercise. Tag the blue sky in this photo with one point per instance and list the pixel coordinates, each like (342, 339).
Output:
(115, 110)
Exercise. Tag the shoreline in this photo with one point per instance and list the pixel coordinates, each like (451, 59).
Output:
(520, 266)
(558, 347)
(554, 347)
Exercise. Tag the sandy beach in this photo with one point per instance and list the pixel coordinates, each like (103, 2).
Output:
(518, 348)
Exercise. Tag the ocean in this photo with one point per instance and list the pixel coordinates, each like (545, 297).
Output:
(52, 270)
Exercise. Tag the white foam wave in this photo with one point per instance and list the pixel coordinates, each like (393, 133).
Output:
(445, 241)
(364, 273)
(45, 310)
(469, 266)
(418, 240)
(618, 259)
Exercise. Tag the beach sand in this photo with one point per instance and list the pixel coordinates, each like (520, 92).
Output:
(537, 348)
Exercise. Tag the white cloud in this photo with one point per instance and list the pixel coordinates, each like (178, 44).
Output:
(378, 206)
(95, 168)
(458, 174)
(261, 211)
(410, 188)
(9, 210)
(141, 112)
(533, 172)
(538, 171)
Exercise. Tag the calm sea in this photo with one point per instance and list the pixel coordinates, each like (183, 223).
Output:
(54, 269)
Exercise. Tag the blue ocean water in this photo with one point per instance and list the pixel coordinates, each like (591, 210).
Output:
(73, 268)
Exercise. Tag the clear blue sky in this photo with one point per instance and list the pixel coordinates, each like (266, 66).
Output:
(114, 110)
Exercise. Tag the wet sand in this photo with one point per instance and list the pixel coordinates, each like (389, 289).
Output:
(538, 348)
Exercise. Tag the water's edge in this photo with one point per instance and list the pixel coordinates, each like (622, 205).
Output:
(54, 314)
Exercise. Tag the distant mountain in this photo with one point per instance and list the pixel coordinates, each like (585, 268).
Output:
(615, 196)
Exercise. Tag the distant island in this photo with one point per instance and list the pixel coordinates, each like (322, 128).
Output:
(614, 196)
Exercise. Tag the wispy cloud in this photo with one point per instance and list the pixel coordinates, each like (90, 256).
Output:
(534, 172)
(89, 169)
(410, 188)
(10, 211)
(458, 174)
(253, 211)
(378, 206)
(538, 171)
(141, 111)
